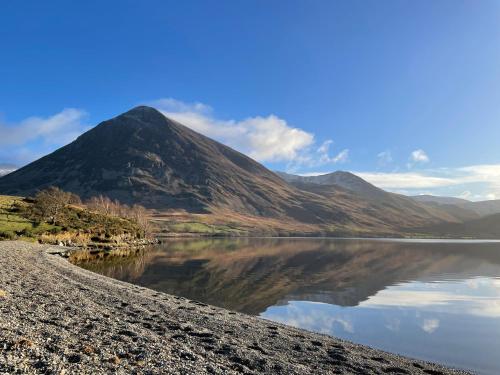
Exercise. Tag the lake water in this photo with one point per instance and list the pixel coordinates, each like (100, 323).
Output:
(434, 300)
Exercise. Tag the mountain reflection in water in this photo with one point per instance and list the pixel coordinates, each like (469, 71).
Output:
(438, 301)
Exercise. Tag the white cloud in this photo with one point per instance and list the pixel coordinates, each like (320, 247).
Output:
(475, 182)
(405, 180)
(481, 173)
(312, 316)
(57, 129)
(48, 133)
(419, 156)
(465, 194)
(6, 170)
(324, 154)
(430, 325)
(384, 158)
(264, 138)
(452, 297)
(325, 147)
(174, 105)
(341, 157)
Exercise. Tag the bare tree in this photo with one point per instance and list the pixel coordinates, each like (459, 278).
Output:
(136, 213)
(140, 215)
(50, 202)
(74, 199)
(101, 204)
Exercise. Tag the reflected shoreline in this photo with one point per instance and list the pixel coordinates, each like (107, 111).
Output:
(431, 299)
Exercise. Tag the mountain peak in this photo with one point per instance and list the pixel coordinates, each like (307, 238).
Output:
(346, 180)
(144, 113)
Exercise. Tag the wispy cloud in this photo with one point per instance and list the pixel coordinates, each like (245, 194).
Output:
(384, 158)
(471, 182)
(59, 128)
(403, 180)
(47, 133)
(313, 316)
(474, 182)
(324, 154)
(264, 138)
(6, 169)
(452, 297)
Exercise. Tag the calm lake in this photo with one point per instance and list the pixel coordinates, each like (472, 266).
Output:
(434, 300)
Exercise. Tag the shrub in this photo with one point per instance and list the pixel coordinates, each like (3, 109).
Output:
(55, 230)
(26, 232)
(7, 235)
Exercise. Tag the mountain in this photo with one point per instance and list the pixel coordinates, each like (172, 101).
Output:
(482, 208)
(395, 209)
(142, 157)
(343, 179)
(426, 198)
(484, 227)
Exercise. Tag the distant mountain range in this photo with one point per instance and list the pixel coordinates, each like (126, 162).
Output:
(388, 207)
(145, 158)
(481, 208)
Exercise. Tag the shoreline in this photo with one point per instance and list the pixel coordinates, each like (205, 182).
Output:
(56, 317)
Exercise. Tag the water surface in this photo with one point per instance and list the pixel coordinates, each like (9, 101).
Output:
(434, 300)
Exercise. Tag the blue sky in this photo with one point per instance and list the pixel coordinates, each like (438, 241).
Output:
(404, 93)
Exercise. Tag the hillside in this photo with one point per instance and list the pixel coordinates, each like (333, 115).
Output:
(342, 179)
(481, 208)
(427, 198)
(484, 227)
(361, 196)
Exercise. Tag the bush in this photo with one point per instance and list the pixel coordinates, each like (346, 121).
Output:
(55, 230)
(26, 232)
(7, 235)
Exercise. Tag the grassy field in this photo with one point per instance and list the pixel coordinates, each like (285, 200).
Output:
(14, 225)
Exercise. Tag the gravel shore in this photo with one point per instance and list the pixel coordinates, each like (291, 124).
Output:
(56, 318)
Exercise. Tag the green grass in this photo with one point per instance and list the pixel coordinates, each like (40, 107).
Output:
(12, 222)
